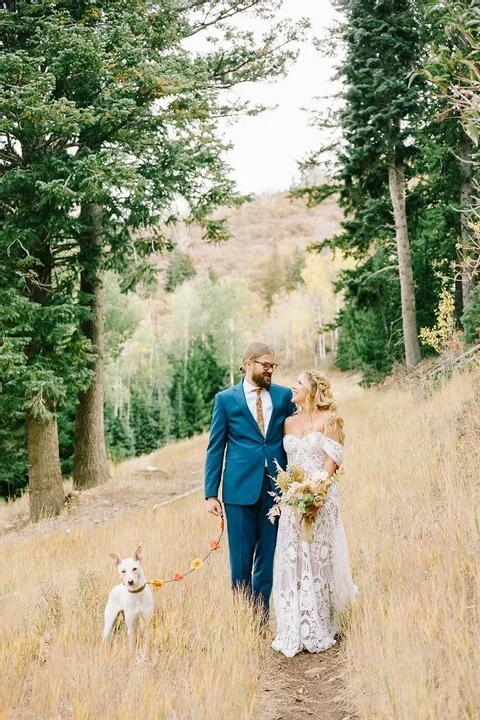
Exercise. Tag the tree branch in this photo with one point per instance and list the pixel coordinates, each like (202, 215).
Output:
(223, 15)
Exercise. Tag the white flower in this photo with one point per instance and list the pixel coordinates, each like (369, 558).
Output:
(273, 513)
(292, 489)
(319, 476)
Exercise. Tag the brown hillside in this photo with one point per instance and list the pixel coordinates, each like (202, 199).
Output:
(256, 228)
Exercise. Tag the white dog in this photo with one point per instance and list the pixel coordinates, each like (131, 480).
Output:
(133, 596)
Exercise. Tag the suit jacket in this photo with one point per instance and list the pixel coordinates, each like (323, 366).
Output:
(237, 450)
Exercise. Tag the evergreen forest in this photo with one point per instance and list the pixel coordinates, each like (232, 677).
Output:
(133, 272)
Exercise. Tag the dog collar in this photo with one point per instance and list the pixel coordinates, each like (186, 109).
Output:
(138, 590)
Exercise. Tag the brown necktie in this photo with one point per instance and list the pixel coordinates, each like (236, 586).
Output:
(259, 409)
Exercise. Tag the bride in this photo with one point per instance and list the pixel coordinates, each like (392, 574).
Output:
(312, 581)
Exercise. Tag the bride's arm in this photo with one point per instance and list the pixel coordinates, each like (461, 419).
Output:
(331, 466)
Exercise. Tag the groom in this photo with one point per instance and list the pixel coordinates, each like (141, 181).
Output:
(246, 437)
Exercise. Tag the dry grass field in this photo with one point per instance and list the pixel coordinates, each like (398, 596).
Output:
(412, 513)
(411, 645)
(197, 659)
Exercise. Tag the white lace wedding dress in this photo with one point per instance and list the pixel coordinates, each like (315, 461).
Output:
(312, 581)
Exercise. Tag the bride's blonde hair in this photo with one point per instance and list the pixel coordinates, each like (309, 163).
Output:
(320, 397)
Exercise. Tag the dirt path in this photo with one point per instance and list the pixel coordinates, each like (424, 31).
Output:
(146, 486)
(302, 687)
(291, 689)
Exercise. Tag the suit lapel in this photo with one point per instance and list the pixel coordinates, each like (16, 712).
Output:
(274, 397)
(239, 395)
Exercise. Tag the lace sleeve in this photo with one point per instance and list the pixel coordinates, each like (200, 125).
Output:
(334, 450)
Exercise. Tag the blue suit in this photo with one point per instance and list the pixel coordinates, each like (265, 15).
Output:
(241, 459)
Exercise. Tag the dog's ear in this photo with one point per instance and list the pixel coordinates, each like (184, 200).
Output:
(138, 554)
(115, 558)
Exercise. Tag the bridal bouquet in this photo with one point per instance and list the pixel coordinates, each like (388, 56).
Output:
(304, 492)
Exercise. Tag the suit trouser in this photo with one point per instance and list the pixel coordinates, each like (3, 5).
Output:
(251, 542)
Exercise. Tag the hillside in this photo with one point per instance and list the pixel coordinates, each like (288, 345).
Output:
(261, 283)
(256, 228)
(410, 648)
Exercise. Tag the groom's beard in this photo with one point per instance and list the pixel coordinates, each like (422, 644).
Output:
(264, 380)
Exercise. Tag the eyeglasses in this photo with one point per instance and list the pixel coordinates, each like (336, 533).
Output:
(267, 366)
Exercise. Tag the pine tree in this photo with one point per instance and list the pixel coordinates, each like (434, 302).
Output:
(370, 339)
(42, 355)
(273, 278)
(103, 110)
(382, 105)
(293, 270)
(118, 436)
(161, 412)
(145, 432)
(452, 69)
(180, 268)
(194, 387)
(13, 456)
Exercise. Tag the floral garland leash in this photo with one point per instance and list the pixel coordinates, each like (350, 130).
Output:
(196, 563)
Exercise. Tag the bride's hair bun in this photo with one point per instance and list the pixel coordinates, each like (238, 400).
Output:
(322, 383)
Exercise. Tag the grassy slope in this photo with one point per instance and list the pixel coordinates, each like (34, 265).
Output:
(410, 506)
(196, 660)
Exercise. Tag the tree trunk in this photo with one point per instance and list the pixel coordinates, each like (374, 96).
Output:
(90, 465)
(396, 181)
(333, 342)
(466, 203)
(322, 353)
(45, 483)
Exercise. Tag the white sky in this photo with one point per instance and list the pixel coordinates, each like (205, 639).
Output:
(267, 147)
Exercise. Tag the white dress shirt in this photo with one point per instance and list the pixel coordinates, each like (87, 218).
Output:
(251, 398)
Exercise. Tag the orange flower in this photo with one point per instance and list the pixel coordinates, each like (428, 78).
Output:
(222, 524)
(196, 564)
(178, 576)
(214, 545)
(156, 583)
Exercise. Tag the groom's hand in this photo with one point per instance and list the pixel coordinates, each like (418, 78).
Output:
(214, 506)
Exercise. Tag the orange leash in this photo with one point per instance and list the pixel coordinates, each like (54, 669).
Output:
(196, 563)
